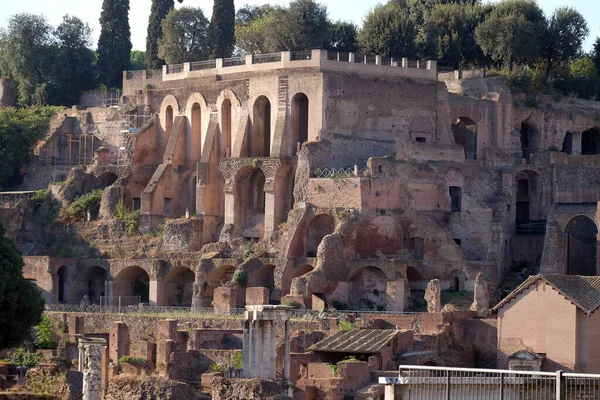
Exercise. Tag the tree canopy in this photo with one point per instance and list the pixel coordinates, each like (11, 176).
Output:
(388, 30)
(158, 12)
(185, 36)
(114, 45)
(567, 29)
(21, 303)
(222, 29)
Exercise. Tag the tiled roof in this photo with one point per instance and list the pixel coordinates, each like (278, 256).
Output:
(583, 291)
(356, 341)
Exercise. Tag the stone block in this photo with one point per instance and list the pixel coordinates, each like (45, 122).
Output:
(76, 326)
(225, 299)
(164, 350)
(145, 350)
(167, 330)
(183, 338)
(318, 303)
(119, 344)
(257, 296)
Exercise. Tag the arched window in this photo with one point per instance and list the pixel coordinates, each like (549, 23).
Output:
(195, 147)
(260, 141)
(299, 123)
(169, 121)
(226, 129)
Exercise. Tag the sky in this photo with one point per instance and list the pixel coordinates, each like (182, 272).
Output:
(351, 10)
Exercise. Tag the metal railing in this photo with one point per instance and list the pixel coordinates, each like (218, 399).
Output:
(234, 61)
(135, 75)
(154, 74)
(200, 65)
(266, 58)
(423, 382)
(174, 69)
(350, 172)
(301, 55)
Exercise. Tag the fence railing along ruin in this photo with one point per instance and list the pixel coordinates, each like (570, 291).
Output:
(424, 382)
(286, 59)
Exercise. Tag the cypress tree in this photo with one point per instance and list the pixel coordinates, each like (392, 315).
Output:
(158, 12)
(114, 45)
(222, 28)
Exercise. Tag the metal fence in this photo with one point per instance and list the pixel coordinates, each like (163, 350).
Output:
(301, 55)
(200, 65)
(431, 383)
(336, 172)
(266, 58)
(234, 61)
(174, 68)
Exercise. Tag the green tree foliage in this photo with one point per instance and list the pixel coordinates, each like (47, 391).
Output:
(158, 12)
(513, 31)
(185, 36)
(27, 48)
(137, 60)
(301, 26)
(448, 33)
(222, 28)
(388, 30)
(342, 37)
(21, 303)
(567, 29)
(73, 71)
(19, 130)
(114, 45)
(44, 338)
(596, 55)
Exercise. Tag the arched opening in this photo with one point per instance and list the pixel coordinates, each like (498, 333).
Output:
(179, 287)
(456, 280)
(194, 150)
(319, 227)
(226, 129)
(299, 121)
(290, 273)
(455, 198)
(369, 286)
(106, 179)
(169, 121)
(529, 140)
(94, 280)
(132, 285)
(265, 277)
(62, 284)
(464, 131)
(416, 281)
(260, 143)
(528, 198)
(582, 235)
(590, 142)
(567, 146)
(251, 203)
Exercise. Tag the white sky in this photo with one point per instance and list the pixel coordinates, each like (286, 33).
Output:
(353, 10)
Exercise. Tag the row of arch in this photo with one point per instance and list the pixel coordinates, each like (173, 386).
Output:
(258, 139)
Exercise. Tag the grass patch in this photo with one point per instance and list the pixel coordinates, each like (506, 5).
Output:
(348, 326)
(130, 218)
(77, 210)
(132, 360)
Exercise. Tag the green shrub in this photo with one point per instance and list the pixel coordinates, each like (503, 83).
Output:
(334, 368)
(350, 359)
(240, 277)
(24, 359)
(237, 361)
(44, 338)
(130, 218)
(216, 368)
(77, 210)
(293, 304)
(132, 360)
(348, 326)
(39, 197)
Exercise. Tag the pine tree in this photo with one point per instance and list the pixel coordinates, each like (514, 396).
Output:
(114, 45)
(158, 12)
(222, 28)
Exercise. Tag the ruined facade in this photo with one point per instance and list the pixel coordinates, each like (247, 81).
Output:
(350, 183)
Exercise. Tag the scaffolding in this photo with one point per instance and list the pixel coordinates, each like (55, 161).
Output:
(80, 150)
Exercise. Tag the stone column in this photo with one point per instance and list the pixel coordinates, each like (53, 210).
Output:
(269, 213)
(433, 296)
(81, 358)
(286, 353)
(92, 372)
(156, 293)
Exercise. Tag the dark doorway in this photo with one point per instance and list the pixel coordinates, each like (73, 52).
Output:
(581, 246)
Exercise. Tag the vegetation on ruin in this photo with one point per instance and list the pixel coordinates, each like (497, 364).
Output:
(77, 209)
(24, 359)
(44, 337)
(21, 302)
(114, 45)
(132, 360)
(20, 129)
(39, 197)
(334, 368)
(131, 218)
(185, 36)
(44, 384)
(350, 359)
(237, 360)
(240, 277)
(348, 326)
(291, 303)
(222, 28)
(217, 368)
